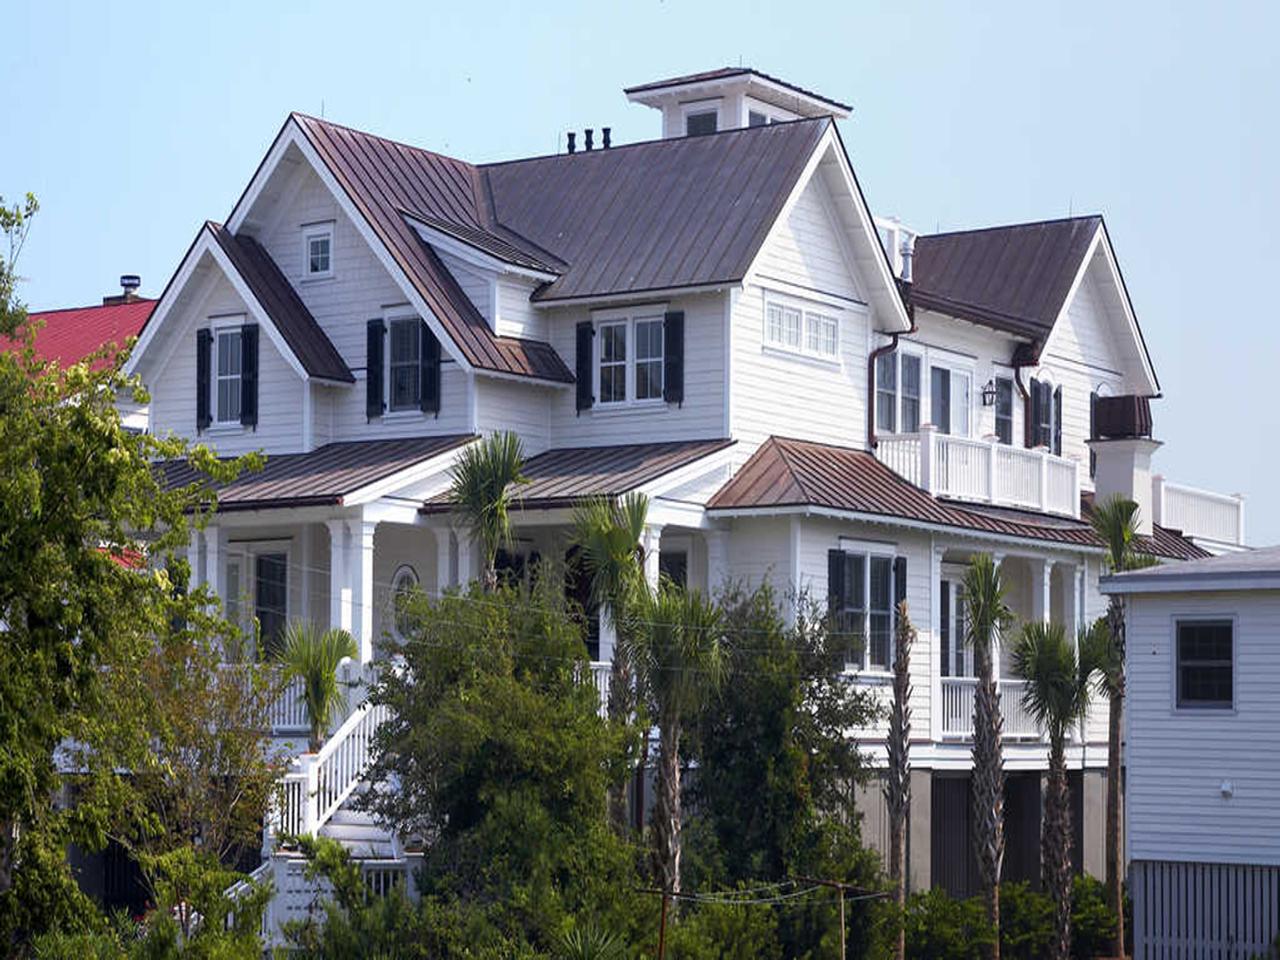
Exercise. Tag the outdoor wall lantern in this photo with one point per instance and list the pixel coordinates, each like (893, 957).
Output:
(989, 393)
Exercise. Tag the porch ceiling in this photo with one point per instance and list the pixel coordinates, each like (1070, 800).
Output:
(320, 478)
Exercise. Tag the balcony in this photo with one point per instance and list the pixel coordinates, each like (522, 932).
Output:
(984, 471)
(1213, 520)
(957, 709)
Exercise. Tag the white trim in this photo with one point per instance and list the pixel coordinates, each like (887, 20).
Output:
(821, 311)
(473, 255)
(413, 474)
(596, 301)
(699, 108)
(1175, 620)
(627, 318)
(228, 324)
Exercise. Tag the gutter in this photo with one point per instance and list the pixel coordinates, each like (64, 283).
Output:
(904, 287)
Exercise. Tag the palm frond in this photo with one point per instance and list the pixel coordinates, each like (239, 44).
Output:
(313, 656)
(984, 598)
(678, 647)
(1115, 520)
(483, 489)
(1057, 688)
(608, 533)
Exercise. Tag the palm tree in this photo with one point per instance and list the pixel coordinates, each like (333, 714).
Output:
(988, 615)
(608, 533)
(313, 656)
(679, 658)
(483, 479)
(1115, 520)
(1056, 694)
(897, 785)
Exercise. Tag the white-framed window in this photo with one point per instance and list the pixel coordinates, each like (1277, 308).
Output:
(1004, 409)
(404, 363)
(1204, 652)
(630, 362)
(898, 392)
(956, 654)
(317, 251)
(865, 612)
(701, 118)
(811, 331)
(228, 358)
(403, 584)
(950, 398)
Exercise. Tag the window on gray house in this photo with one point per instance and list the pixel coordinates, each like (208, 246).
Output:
(698, 124)
(405, 364)
(1004, 409)
(940, 386)
(1205, 664)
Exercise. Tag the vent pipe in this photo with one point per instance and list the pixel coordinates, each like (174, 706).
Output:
(129, 284)
(907, 253)
(572, 145)
(586, 139)
(604, 137)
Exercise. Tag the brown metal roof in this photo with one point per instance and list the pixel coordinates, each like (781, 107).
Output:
(384, 180)
(320, 478)
(1014, 278)
(794, 473)
(290, 315)
(667, 214)
(563, 477)
(725, 72)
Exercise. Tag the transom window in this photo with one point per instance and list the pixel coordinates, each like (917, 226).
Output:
(1205, 665)
(897, 392)
(404, 364)
(229, 370)
(792, 327)
(630, 362)
(318, 250)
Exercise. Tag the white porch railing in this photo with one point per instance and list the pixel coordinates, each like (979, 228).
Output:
(287, 714)
(1199, 514)
(957, 708)
(984, 471)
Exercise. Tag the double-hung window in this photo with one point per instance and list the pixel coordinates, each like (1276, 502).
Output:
(798, 329)
(1004, 409)
(404, 364)
(897, 392)
(317, 251)
(862, 595)
(949, 399)
(229, 370)
(1205, 665)
(630, 362)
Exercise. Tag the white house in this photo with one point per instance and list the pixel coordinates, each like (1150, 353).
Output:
(713, 318)
(1202, 764)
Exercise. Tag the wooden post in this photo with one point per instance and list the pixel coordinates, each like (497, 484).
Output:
(843, 954)
(662, 927)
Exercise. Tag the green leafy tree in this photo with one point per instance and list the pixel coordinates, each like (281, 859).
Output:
(988, 616)
(607, 533)
(312, 656)
(679, 653)
(94, 548)
(484, 481)
(503, 765)
(1057, 696)
(1115, 520)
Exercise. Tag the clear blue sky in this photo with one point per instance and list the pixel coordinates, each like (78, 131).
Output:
(135, 123)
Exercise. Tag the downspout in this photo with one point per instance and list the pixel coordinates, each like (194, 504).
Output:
(904, 287)
(1018, 362)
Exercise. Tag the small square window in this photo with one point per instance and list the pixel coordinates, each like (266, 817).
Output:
(822, 334)
(1205, 664)
(318, 252)
(756, 119)
(699, 124)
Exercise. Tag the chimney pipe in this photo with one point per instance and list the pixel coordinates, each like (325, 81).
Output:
(586, 139)
(129, 284)
(907, 253)
(572, 146)
(604, 137)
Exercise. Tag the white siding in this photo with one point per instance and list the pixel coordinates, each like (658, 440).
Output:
(1177, 760)
(476, 283)
(805, 248)
(396, 545)
(173, 394)
(700, 417)
(517, 316)
(523, 408)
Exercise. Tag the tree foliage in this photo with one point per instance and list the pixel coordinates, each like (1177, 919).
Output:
(484, 479)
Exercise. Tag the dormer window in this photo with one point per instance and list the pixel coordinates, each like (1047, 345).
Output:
(317, 251)
(229, 371)
(701, 119)
(404, 363)
(756, 119)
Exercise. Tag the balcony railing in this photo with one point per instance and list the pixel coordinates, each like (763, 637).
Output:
(984, 471)
(1199, 514)
(957, 708)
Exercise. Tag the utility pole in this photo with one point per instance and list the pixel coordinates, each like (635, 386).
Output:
(842, 889)
(662, 920)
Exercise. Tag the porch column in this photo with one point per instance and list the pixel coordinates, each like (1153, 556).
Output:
(195, 552)
(934, 631)
(214, 574)
(467, 558)
(997, 642)
(651, 546)
(362, 569)
(340, 591)
(444, 559)
(1041, 589)
(717, 559)
(1071, 599)
(305, 563)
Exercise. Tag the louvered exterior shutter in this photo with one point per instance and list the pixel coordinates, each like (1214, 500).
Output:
(1057, 421)
(582, 364)
(1093, 432)
(430, 370)
(1033, 421)
(673, 357)
(944, 628)
(249, 375)
(375, 342)
(835, 588)
(899, 580)
(204, 365)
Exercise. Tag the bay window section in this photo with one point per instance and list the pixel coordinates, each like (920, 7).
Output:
(887, 392)
(910, 370)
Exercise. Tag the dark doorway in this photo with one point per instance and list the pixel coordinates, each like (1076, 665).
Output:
(577, 587)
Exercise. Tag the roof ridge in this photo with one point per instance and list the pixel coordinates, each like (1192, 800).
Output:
(1012, 226)
(378, 136)
(90, 306)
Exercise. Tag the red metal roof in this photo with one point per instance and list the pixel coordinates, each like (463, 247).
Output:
(68, 336)
(794, 473)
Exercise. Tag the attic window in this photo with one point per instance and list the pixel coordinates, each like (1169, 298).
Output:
(756, 119)
(317, 250)
(701, 123)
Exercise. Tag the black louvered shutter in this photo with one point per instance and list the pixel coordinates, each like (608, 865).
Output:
(1033, 421)
(944, 628)
(899, 580)
(1093, 432)
(1057, 422)
(373, 390)
(582, 364)
(429, 362)
(204, 363)
(835, 588)
(673, 357)
(249, 375)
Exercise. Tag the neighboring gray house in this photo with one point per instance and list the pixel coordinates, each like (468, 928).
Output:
(1202, 758)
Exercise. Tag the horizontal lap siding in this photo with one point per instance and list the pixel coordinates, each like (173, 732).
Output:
(700, 417)
(474, 283)
(522, 408)
(173, 392)
(776, 393)
(517, 316)
(360, 290)
(1177, 760)
(394, 546)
